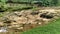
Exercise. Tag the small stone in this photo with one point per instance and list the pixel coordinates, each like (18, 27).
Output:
(39, 23)
(20, 28)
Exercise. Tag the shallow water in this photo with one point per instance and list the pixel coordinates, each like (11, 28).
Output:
(3, 29)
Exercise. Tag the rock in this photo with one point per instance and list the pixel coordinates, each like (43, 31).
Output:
(20, 28)
(39, 23)
(28, 18)
(1, 24)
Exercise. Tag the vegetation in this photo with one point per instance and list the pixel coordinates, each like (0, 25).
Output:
(44, 3)
(40, 2)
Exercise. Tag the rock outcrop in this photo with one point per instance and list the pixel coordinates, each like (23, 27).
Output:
(27, 19)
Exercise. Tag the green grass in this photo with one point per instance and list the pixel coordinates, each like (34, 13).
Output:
(12, 8)
(16, 6)
(51, 28)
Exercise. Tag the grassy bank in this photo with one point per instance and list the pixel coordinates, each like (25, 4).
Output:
(52, 28)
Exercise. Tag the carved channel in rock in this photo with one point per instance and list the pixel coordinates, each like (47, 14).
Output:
(46, 16)
(7, 22)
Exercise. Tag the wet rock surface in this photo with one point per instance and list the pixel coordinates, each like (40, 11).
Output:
(27, 19)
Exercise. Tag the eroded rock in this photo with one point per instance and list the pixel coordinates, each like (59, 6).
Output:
(27, 19)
